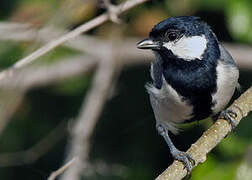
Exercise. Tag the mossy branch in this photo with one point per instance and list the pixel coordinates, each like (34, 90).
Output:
(210, 138)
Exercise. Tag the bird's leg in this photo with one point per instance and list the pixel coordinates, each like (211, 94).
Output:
(229, 115)
(184, 157)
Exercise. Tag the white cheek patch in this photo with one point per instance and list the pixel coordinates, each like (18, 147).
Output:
(188, 48)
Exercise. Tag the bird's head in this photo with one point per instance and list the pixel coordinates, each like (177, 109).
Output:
(183, 37)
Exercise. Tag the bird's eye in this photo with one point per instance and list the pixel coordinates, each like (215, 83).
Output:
(172, 36)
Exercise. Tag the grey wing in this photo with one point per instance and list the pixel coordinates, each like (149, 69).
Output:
(225, 56)
(228, 60)
(227, 80)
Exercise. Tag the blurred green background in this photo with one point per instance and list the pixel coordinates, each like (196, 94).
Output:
(125, 136)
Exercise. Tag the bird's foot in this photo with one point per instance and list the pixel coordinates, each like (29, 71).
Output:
(185, 158)
(230, 116)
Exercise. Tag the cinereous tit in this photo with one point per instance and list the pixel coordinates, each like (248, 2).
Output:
(194, 77)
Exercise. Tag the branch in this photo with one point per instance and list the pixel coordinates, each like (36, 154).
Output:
(113, 11)
(97, 167)
(10, 101)
(218, 131)
(81, 29)
(36, 151)
(40, 75)
(61, 170)
(10, 31)
(241, 54)
(88, 116)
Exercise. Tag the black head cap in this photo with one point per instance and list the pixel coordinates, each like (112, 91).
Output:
(186, 25)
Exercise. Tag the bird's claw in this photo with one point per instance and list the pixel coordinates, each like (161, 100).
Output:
(230, 116)
(185, 158)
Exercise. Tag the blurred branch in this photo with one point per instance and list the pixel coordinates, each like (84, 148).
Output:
(32, 154)
(112, 11)
(244, 170)
(75, 65)
(218, 131)
(88, 116)
(83, 43)
(242, 54)
(97, 167)
(23, 32)
(61, 170)
(81, 29)
(39, 75)
(43, 75)
(10, 101)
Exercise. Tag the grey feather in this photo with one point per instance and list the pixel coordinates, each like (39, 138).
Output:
(227, 58)
(227, 80)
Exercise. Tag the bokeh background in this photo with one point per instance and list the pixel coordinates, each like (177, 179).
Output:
(125, 144)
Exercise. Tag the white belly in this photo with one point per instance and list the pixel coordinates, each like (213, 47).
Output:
(168, 106)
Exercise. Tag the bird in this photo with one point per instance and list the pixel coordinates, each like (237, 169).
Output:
(193, 77)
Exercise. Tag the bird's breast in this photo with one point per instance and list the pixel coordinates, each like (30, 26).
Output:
(169, 107)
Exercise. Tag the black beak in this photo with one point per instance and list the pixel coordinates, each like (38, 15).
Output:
(148, 44)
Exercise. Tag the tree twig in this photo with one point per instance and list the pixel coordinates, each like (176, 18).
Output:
(89, 114)
(242, 106)
(96, 167)
(112, 11)
(40, 75)
(81, 29)
(10, 101)
(36, 151)
(58, 172)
